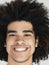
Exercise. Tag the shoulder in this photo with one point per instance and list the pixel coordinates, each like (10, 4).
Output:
(3, 63)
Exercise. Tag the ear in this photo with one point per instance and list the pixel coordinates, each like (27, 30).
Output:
(5, 45)
(37, 40)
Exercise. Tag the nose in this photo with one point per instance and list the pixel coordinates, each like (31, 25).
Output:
(19, 40)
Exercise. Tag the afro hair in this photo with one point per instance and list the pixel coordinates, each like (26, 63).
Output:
(35, 13)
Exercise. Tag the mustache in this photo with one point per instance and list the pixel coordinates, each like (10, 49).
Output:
(20, 45)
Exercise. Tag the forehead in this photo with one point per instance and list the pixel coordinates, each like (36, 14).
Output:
(20, 25)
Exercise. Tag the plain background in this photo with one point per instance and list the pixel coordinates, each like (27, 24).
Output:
(46, 4)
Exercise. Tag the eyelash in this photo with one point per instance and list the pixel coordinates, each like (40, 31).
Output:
(26, 35)
(11, 35)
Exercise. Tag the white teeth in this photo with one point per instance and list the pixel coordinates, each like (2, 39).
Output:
(20, 49)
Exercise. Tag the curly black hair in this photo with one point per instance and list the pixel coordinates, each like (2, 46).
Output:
(35, 13)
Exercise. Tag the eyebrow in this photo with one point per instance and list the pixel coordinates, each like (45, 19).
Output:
(28, 31)
(25, 31)
(11, 31)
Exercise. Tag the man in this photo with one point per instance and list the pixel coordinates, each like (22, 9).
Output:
(24, 33)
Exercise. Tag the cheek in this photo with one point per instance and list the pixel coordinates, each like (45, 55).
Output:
(9, 42)
(32, 48)
(32, 45)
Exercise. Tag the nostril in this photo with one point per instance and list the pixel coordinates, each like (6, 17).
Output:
(19, 43)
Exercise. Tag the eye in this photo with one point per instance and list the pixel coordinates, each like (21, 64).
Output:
(11, 35)
(27, 35)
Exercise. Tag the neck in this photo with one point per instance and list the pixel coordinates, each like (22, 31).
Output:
(12, 62)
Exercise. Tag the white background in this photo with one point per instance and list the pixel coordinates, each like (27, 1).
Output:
(46, 3)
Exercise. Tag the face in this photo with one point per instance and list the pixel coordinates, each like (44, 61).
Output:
(20, 41)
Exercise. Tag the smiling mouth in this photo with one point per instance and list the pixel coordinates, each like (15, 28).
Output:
(20, 48)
